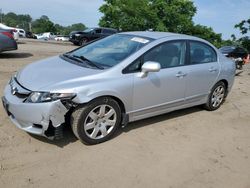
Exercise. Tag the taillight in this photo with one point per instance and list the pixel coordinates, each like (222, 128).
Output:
(8, 34)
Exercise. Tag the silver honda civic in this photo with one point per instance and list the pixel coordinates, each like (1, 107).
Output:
(108, 83)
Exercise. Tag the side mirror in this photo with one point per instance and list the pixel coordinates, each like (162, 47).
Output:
(149, 66)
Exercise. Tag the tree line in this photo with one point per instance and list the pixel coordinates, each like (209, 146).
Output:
(41, 25)
(140, 15)
(165, 15)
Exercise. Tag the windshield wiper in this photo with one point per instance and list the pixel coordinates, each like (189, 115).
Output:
(91, 63)
(82, 59)
(70, 57)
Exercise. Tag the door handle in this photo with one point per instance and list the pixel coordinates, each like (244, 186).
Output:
(212, 69)
(181, 74)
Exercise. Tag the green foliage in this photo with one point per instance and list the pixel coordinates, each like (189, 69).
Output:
(244, 27)
(158, 15)
(43, 24)
(13, 20)
(66, 30)
(206, 33)
(245, 42)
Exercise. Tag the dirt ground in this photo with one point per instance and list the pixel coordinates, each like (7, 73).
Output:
(191, 148)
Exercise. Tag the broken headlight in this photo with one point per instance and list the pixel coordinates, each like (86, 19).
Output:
(39, 97)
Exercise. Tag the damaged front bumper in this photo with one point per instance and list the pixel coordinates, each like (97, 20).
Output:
(43, 119)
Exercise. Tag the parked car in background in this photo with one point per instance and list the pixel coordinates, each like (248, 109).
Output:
(39, 36)
(13, 30)
(30, 35)
(7, 41)
(236, 53)
(49, 35)
(62, 38)
(119, 79)
(21, 32)
(82, 37)
(45, 36)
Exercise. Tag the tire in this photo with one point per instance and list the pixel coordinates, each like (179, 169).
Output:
(83, 41)
(216, 97)
(97, 121)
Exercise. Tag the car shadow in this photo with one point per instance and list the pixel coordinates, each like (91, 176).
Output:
(8, 55)
(21, 42)
(157, 119)
(69, 137)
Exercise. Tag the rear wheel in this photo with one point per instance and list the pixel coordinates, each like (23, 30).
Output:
(216, 97)
(97, 121)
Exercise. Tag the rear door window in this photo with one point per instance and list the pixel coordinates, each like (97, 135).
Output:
(201, 53)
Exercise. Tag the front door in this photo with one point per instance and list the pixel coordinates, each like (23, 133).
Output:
(166, 88)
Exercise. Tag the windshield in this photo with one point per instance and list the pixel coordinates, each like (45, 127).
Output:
(111, 50)
(88, 30)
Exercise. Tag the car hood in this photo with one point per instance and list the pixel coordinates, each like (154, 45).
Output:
(48, 72)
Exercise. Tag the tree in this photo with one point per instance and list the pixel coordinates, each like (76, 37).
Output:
(13, 20)
(160, 15)
(77, 27)
(244, 27)
(66, 30)
(43, 24)
(206, 33)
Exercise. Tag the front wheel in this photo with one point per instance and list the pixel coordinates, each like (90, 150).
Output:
(97, 121)
(83, 41)
(216, 97)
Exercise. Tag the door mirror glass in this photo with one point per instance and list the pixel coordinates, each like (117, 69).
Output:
(149, 66)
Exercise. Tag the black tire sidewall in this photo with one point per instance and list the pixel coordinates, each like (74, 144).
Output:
(80, 124)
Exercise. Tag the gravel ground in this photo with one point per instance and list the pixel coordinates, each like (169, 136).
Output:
(185, 149)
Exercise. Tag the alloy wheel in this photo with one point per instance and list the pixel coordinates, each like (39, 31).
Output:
(218, 96)
(100, 121)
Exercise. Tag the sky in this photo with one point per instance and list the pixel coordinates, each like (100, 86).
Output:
(221, 15)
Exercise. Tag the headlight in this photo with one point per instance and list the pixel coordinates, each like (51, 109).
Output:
(39, 97)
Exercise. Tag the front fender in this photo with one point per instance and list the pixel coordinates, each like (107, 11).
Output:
(85, 98)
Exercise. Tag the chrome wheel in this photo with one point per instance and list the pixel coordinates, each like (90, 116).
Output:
(100, 121)
(218, 96)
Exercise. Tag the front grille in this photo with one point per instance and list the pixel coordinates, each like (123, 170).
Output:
(18, 90)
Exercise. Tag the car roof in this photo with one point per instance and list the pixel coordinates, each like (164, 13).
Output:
(103, 28)
(157, 35)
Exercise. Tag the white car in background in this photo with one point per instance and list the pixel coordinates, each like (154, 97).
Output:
(45, 36)
(21, 32)
(15, 33)
(62, 38)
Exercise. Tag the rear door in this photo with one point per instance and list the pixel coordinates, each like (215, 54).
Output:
(203, 70)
